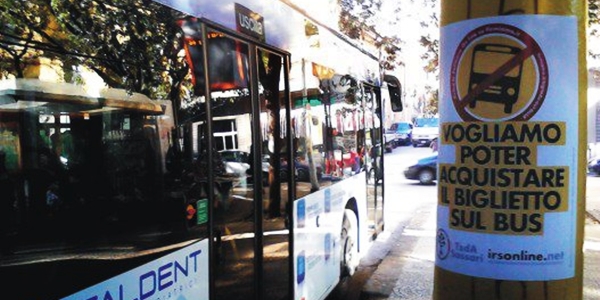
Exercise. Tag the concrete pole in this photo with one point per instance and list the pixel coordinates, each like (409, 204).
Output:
(512, 158)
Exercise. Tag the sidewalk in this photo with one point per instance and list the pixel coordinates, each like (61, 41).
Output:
(406, 272)
(592, 204)
(402, 276)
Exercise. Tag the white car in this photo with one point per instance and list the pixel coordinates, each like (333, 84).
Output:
(236, 162)
(425, 130)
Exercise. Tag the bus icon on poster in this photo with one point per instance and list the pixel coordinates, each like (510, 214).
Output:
(487, 58)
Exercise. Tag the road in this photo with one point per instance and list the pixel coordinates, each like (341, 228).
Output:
(407, 203)
(401, 262)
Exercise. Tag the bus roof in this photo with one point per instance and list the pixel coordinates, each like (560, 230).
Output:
(284, 23)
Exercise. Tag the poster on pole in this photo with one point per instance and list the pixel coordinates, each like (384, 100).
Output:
(507, 175)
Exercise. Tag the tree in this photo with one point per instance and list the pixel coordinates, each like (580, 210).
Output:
(432, 101)
(358, 15)
(363, 17)
(431, 56)
(131, 44)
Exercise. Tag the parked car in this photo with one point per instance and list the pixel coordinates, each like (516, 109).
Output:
(302, 171)
(389, 138)
(237, 162)
(593, 167)
(424, 170)
(402, 133)
(424, 131)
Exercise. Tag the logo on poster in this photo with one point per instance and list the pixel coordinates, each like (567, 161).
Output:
(498, 73)
(443, 244)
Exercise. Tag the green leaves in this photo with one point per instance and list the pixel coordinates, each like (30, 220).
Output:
(130, 44)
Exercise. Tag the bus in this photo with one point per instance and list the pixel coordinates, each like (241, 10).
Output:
(263, 181)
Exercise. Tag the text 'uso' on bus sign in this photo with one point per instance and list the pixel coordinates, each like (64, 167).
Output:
(249, 22)
(508, 160)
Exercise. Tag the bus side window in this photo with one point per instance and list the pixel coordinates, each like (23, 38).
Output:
(395, 90)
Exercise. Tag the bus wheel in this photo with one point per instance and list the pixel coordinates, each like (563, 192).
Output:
(349, 238)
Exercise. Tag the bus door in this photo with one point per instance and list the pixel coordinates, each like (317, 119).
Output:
(243, 120)
(274, 138)
(374, 159)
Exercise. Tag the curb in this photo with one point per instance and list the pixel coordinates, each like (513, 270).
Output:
(382, 282)
(593, 214)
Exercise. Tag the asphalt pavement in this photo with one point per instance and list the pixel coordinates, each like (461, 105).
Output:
(401, 262)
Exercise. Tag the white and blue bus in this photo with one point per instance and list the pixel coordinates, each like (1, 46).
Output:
(263, 180)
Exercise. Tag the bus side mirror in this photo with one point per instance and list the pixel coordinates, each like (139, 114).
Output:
(395, 90)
